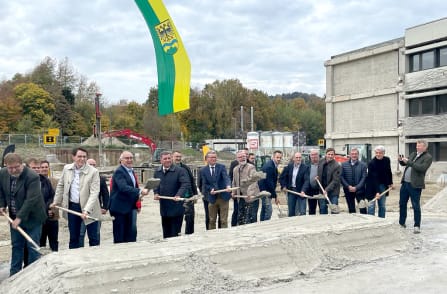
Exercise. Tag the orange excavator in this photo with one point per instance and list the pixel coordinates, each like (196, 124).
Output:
(132, 135)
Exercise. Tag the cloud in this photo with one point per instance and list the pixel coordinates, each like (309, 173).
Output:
(274, 46)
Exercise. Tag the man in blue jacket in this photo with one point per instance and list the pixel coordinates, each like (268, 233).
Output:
(270, 168)
(353, 179)
(123, 199)
(214, 177)
(295, 177)
(175, 183)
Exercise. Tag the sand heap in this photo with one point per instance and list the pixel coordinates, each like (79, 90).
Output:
(240, 259)
(93, 141)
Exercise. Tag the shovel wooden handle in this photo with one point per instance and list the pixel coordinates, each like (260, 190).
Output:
(23, 233)
(225, 190)
(380, 195)
(75, 213)
(298, 193)
(195, 197)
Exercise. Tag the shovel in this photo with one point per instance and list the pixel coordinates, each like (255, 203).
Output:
(193, 198)
(280, 214)
(305, 196)
(364, 204)
(23, 233)
(250, 198)
(332, 207)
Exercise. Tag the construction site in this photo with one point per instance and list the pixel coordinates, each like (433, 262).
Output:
(340, 253)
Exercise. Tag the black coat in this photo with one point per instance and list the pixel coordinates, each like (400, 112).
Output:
(379, 173)
(174, 182)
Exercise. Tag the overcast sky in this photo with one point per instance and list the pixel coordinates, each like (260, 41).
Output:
(274, 46)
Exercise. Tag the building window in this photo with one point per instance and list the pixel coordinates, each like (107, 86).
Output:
(423, 106)
(442, 151)
(443, 56)
(428, 60)
(442, 104)
(414, 63)
(428, 106)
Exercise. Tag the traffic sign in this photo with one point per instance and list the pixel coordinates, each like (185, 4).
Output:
(321, 142)
(49, 139)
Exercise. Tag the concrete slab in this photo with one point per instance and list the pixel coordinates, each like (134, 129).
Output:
(238, 259)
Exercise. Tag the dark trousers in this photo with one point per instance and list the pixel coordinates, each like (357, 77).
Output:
(350, 201)
(414, 194)
(234, 217)
(313, 202)
(50, 230)
(74, 227)
(172, 225)
(189, 217)
(124, 229)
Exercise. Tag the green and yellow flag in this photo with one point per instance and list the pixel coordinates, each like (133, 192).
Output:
(173, 66)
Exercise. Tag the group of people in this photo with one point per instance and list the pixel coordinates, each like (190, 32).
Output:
(32, 199)
(370, 182)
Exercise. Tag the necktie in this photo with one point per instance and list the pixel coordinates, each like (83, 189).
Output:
(212, 171)
(13, 208)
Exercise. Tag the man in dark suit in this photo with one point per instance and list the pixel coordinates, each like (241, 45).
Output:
(214, 177)
(189, 205)
(123, 199)
(270, 168)
(353, 180)
(174, 182)
(20, 192)
(295, 177)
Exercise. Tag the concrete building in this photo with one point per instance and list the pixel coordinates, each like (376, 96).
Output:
(392, 94)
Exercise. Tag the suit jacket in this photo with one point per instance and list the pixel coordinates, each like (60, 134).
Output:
(88, 190)
(174, 182)
(124, 194)
(419, 167)
(29, 201)
(269, 183)
(353, 175)
(301, 180)
(333, 172)
(218, 181)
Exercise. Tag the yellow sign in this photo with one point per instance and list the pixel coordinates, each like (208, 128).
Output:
(49, 140)
(53, 132)
(320, 142)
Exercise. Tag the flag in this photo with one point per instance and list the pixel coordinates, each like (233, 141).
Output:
(173, 66)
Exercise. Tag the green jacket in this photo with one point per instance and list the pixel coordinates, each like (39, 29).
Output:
(419, 168)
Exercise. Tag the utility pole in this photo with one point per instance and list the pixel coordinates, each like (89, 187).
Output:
(98, 126)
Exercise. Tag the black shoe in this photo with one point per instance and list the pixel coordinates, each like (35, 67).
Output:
(417, 230)
(404, 226)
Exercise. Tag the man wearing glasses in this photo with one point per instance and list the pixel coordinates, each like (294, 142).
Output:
(20, 192)
(123, 200)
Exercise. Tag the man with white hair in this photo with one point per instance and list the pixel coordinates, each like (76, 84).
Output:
(413, 181)
(379, 179)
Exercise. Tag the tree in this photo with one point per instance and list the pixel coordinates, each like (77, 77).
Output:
(35, 102)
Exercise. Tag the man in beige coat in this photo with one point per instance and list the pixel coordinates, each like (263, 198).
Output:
(78, 190)
(241, 174)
